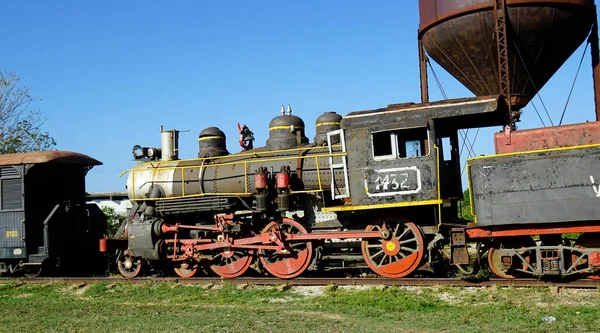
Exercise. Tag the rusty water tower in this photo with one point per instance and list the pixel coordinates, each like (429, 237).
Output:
(506, 47)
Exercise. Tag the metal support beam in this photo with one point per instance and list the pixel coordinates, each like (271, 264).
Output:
(595, 63)
(423, 68)
(500, 14)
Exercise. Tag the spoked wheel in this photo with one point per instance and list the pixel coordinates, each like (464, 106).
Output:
(128, 266)
(288, 264)
(231, 263)
(397, 256)
(495, 259)
(185, 268)
(587, 240)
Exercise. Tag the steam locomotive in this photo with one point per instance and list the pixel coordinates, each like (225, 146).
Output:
(375, 189)
(382, 187)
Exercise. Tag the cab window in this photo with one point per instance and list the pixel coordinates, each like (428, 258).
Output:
(406, 143)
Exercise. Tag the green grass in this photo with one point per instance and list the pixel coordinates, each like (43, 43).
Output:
(177, 308)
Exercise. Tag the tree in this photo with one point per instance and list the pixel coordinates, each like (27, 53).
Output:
(20, 125)
(113, 220)
(465, 206)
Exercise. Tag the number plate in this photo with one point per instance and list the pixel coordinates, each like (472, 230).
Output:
(396, 181)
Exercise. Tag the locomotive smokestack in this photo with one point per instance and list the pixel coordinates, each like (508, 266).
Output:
(169, 144)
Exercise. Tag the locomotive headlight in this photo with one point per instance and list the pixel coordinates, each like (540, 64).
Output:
(17, 252)
(151, 152)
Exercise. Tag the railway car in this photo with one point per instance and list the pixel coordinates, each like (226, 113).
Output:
(46, 227)
(535, 201)
(380, 188)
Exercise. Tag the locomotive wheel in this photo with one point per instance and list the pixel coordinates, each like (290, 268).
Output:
(397, 256)
(586, 240)
(232, 263)
(128, 266)
(291, 263)
(495, 260)
(185, 268)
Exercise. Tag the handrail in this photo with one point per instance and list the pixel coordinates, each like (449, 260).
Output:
(245, 164)
(254, 153)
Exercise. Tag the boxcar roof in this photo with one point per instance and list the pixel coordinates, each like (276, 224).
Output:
(49, 156)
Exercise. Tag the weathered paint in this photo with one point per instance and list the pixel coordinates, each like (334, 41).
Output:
(551, 186)
(549, 138)
(542, 35)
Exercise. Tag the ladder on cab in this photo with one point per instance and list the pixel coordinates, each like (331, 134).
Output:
(343, 165)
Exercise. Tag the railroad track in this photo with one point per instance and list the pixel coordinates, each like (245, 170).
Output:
(580, 284)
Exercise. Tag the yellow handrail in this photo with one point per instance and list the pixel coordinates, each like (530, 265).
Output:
(245, 163)
(254, 153)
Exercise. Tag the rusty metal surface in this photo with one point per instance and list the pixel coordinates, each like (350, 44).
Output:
(459, 35)
(433, 11)
(549, 137)
(49, 156)
(581, 284)
(423, 73)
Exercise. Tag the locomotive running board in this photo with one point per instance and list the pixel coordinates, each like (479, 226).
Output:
(343, 165)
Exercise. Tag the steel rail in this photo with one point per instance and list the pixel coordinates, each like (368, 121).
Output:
(321, 281)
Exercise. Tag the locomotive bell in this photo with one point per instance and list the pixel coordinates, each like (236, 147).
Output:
(283, 130)
(327, 122)
(212, 143)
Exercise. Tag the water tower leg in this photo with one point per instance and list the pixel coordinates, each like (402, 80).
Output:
(596, 64)
(423, 68)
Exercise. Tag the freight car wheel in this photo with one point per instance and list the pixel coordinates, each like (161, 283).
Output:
(397, 256)
(232, 263)
(185, 268)
(291, 263)
(495, 260)
(586, 240)
(33, 271)
(128, 266)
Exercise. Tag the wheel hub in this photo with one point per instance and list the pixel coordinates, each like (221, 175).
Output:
(128, 263)
(391, 247)
(227, 253)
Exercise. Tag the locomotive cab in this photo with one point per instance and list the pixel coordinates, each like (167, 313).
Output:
(407, 156)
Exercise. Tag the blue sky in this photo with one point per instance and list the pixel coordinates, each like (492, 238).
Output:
(111, 73)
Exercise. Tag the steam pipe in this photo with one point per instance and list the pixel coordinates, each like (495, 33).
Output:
(595, 63)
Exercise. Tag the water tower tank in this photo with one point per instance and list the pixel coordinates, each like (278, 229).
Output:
(541, 36)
